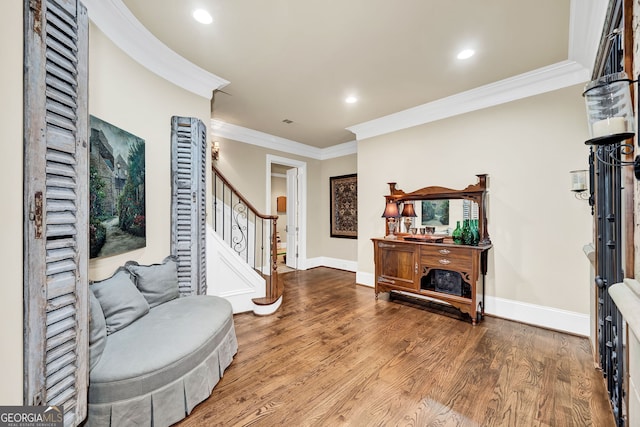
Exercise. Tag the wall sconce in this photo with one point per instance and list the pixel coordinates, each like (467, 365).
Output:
(215, 151)
(611, 119)
(391, 213)
(408, 212)
(579, 184)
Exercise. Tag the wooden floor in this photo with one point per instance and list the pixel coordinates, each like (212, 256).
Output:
(334, 356)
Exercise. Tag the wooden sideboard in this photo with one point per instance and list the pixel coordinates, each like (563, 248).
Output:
(433, 265)
(443, 271)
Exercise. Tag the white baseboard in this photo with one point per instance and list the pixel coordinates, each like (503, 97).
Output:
(539, 315)
(532, 314)
(340, 264)
(367, 279)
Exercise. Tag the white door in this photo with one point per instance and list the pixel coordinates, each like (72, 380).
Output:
(292, 218)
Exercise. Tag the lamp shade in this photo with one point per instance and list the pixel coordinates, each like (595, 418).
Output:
(407, 209)
(391, 210)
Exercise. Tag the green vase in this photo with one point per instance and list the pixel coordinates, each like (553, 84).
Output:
(457, 234)
(467, 234)
(475, 231)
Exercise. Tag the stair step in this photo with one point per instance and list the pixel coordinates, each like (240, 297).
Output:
(264, 301)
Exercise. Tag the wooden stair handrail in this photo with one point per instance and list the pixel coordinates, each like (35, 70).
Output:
(274, 288)
(241, 197)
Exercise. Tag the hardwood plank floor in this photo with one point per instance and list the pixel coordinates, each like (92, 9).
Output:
(334, 356)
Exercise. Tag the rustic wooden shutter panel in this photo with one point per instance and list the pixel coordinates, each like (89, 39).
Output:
(56, 206)
(188, 203)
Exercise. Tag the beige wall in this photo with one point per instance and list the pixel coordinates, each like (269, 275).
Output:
(11, 214)
(527, 148)
(244, 165)
(127, 95)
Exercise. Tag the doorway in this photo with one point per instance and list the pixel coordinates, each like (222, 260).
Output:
(287, 178)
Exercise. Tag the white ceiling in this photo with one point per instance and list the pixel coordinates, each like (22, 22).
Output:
(299, 59)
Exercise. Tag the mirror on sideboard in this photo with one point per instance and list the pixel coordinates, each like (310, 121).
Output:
(438, 216)
(436, 210)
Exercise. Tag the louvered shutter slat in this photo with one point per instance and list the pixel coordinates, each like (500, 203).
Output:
(59, 170)
(52, 245)
(60, 36)
(60, 254)
(61, 58)
(58, 301)
(58, 218)
(59, 190)
(64, 113)
(63, 389)
(65, 314)
(55, 85)
(61, 206)
(63, 398)
(59, 122)
(61, 230)
(64, 158)
(60, 284)
(56, 267)
(59, 351)
(59, 377)
(56, 194)
(58, 340)
(62, 98)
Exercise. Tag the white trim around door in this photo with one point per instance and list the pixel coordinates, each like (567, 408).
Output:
(302, 198)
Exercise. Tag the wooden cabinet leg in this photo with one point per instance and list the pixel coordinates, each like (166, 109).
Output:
(376, 296)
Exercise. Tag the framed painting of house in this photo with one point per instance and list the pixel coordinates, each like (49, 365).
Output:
(117, 218)
(344, 206)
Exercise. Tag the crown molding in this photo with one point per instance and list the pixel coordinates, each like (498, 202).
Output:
(585, 28)
(115, 20)
(546, 79)
(249, 136)
(586, 21)
(339, 150)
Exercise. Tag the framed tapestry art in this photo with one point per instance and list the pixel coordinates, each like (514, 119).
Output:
(343, 191)
(117, 219)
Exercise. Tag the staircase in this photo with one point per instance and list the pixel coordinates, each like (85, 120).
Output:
(242, 252)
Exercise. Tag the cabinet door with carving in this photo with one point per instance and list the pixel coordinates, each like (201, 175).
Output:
(396, 265)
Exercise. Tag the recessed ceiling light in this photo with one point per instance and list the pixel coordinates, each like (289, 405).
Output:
(202, 16)
(466, 54)
(351, 99)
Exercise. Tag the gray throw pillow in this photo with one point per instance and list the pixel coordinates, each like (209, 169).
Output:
(121, 302)
(97, 330)
(157, 282)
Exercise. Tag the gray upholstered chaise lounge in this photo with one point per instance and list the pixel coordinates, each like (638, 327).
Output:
(154, 369)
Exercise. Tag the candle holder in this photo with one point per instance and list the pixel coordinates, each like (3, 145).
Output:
(609, 109)
(611, 120)
(579, 184)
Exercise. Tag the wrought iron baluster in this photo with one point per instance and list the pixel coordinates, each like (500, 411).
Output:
(215, 203)
(244, 219)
